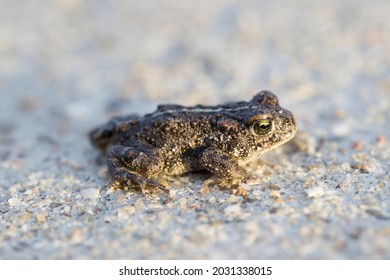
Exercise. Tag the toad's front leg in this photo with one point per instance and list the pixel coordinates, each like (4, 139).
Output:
(230, 173)
(134, 166)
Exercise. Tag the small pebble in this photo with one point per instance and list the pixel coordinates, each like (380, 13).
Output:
(315, 192)
(233, 199)
(271, 187)
(26, 216)
(41, 217)
(274, 194)
(381, 140)
(77, 235)
(125, 211)
(14, 201)
(341, 129)
(90, 193)
(362, 167)
(233, 210)
(357, 145)
(377, 214)
(183, 203)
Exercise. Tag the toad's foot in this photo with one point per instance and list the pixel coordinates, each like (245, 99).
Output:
(126, 180)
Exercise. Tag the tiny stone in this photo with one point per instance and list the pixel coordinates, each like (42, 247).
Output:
(26, 216)
(233, 199)
(272, 187)
(253, 181)
(277, 199)
(377, 214)
(345, 166)
(183, 203)
(381, 139)
(233, 210)
(339, 113)
(77, 235)
(341, 129)
(14, 201)
(55, 205)
(41, 217)
(363, 168)
(357, 145)
(315, 192)
(274, 194)
(90, 193)
(125, 211)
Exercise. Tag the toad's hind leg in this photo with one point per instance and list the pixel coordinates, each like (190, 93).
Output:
(134, 166)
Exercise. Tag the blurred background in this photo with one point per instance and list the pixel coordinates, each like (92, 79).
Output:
(68, 65)
(101, 57)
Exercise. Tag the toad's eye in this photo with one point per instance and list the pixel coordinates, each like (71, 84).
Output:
(261, 127)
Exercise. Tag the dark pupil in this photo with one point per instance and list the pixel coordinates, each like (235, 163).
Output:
(262, 127)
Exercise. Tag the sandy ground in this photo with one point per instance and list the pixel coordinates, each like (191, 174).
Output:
(67, 66)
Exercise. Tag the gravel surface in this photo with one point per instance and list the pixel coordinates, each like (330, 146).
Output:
(69, 65)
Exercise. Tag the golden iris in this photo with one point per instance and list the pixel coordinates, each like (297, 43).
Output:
(262, 127)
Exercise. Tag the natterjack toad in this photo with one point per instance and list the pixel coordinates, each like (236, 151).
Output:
(176, 139)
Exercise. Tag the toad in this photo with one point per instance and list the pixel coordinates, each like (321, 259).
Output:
(175, 139)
